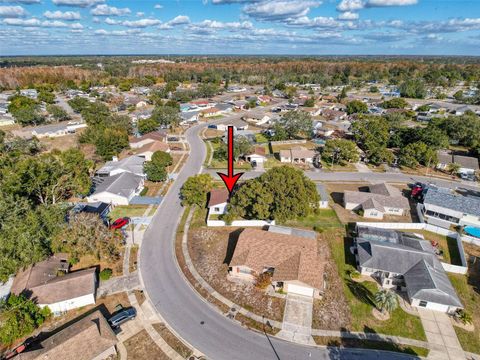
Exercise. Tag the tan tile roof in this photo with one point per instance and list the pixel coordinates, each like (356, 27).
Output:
(83, 340)
(43, 285)
(298, 152)
(293, 257)
(218, 196)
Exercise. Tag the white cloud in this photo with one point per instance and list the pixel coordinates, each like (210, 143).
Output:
(380, 3)
(37, 23)
(140, 14)
(78, 3)
(350, 5)
(58, 15)
(158, 6)
(179, 20)
(110, 21)
(117, 32)
(279, 10)
(348, 15)
(141, 23)
(316, 22)
(105, 10)
(12, 11)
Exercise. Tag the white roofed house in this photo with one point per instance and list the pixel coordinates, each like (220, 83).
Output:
(189, 117)
(117, 189)
(257, 156)
(382, 200)
(131, 164)
(56, 130)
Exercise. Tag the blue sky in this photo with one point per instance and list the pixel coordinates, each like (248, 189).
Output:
(429, 27)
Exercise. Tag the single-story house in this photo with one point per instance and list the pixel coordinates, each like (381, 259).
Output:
(131, 164)
(141, 114)
(224, 108)
(235, 89)
(405, 262)
(43, 283)
(463, 109)
(30, 93)
(323, 194)
(444, 208)
(189, 116)
(56, 130)
(100, 208)
(6, 120)
(468, 164)
(217, 202)
(89, 338)
(210, 112)
(289, 255)
(237, 125)
(383, 199)
(146, 151)
(334, 115)
(257, 156)
(148, 138)
(117, 189)
(297, 155)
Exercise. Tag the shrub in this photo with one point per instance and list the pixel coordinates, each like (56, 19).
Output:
(463, 316)
(263, 280)
(105, 274)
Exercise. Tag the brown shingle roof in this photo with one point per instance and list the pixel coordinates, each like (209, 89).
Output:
(218, 196)
(153, 146)
(83, 340)
(154, 135)
(43, 285)
(293, 257)
(298, 152)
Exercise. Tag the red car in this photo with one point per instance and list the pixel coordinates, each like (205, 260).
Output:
(120, 223)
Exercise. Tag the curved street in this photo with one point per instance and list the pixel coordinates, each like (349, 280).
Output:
(195, 320)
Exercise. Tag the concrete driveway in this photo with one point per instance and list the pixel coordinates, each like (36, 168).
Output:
(297, 320)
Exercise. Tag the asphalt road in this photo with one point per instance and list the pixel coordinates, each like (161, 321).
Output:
(195, 320)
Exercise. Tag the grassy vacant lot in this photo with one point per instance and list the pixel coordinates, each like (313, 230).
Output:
(368, 344)
(358, 296)
(211, 250)
(348, 167)
(468, 289)
(142, 347)
(129, 211)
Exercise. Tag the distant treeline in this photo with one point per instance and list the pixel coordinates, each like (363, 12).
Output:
(264, 70)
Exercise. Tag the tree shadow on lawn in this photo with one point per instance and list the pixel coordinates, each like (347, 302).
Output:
(361, 292)
(232, 243)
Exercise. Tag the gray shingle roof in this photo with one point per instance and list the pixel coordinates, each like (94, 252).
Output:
(464, 204)
(410, 256)
(122, 184)
(292, 231)
(132, 164)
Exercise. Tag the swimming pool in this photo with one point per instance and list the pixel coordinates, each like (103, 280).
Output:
(472, 230)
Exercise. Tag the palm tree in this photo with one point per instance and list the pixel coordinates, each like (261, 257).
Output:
(453, 168)
(386, 301)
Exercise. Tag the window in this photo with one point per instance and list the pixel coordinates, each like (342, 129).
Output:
(423, 303)
(216, 209)
(442, 216)
(244, 271)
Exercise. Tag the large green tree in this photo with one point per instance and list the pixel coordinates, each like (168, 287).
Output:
(166, 116)
(340, 150)
(281, 193)
(19, 317)
(156, 168)
(194, 191)
(297, 124)
(356, 107)
(372, 136)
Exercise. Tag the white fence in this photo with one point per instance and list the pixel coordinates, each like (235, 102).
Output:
(471, 240)
(287, 142)
(457, 269)
(240, 223)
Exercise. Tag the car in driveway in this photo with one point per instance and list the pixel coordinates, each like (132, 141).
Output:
(122, 316)
(120, 223)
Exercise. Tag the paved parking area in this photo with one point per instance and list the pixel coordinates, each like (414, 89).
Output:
(297, 319)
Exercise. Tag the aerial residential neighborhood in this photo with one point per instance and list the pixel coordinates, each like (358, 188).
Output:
(239, 179)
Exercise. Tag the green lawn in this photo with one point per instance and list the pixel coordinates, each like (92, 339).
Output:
(216, 164)
(129, 211)
(358, 295)
(261, 139)
(348, 167)
(465, 288)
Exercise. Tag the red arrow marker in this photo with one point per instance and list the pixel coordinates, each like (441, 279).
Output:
(230, 180)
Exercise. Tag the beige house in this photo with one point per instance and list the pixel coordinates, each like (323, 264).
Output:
(382, 199)
(148, 138)
(90, 338)
(297, 155)
(50, 284)
(289, 255)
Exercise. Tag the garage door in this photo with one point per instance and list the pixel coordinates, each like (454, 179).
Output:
(300, 290)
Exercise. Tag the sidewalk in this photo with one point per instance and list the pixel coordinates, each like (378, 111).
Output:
(439, 331)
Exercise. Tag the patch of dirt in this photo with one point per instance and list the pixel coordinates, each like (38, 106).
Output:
(172, 340)
(140, 296)
(142, 347)
(88, 261)
(332, 311)
(382, 316)
(211, 253)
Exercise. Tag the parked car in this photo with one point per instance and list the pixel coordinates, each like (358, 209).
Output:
(120, 223)
(468, 177)
(122, 316)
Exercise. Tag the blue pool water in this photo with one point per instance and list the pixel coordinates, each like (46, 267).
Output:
(472, 230)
